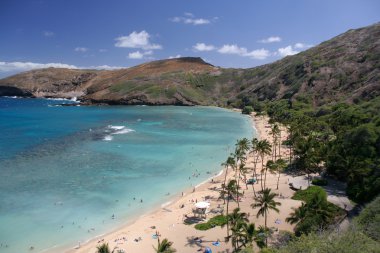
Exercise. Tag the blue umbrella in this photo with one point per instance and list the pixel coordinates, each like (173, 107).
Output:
(207, 250)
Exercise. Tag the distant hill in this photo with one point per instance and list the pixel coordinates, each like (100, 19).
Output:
(345, 68)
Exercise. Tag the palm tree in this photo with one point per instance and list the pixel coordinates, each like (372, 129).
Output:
(272, 167)
(104, 248)
(281, 165)
(254, 143)
(298, 214)
(230, 163)
(231, 189)
(263, 148)
(266, 202)
(275, 130)
(236, 220)
(262, 234)
(164, 247)
(243, 145)
(249, 233)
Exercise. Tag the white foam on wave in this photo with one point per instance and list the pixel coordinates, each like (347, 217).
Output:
(108, 138)
(112, 130)
(124, 131)
(116, 127)
(12, 97)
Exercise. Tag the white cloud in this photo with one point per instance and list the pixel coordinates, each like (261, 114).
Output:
(48, 33)
(285, 51)
(139, 55)
(198, 21)
(16, 67)
(190, 19)
(259, 54)
(81, 49)
(137, 40)
(232, 49)
(105, 67)
(135, 55)
(302, 45)
(203, 47)
(271, 39)
(173, 57)
(23, 66)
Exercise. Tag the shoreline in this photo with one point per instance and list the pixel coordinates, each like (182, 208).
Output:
(168, 218)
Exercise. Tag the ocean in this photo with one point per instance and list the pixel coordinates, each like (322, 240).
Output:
(71, 173)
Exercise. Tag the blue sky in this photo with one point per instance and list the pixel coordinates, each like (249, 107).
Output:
(116, 33)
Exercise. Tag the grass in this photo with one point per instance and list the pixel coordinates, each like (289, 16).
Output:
(307, 195)
(218, 220)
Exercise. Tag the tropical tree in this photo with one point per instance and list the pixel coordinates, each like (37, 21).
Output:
(230, 163)
(104, 248)
(248, 233)
(164, 247)
(272, 167)
(275, 131)
(231, 190)
(265, 202)
(263, 148)
(236, 220)
(254, 152)
(281, 165)
(298, 214)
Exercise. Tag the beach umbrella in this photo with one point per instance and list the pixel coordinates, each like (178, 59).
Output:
(207, 250)
(202, 205)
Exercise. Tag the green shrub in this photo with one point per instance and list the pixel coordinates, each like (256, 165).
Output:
(369, 220)
(247, 110)
(218, 220)
(308, 194)
(319, 181)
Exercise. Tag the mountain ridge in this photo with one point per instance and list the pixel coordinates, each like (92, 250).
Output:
(344, 68)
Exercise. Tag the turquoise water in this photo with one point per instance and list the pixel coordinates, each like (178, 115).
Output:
(71, 173)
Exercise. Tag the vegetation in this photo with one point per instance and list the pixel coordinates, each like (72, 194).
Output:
(265, 202)
(103, 248)
(164, 246)
(315, 213)
(319, 181)
(247, 110)
(342, 139)
(362, 236)
(369, 220)
(219, 220)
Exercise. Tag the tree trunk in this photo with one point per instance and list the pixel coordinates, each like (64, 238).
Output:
(224, 184)
(237, 190)
(253, 188)
(228, 201)
(261, 174)
(266, 236)
(265, 178)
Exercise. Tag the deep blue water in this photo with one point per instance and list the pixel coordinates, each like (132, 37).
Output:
(65, 170)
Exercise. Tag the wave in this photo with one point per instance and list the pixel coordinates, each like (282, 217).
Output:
(124, 131)
(11, 97)
(116, 127)
(112, 130)
(108, 138)
(74, 99)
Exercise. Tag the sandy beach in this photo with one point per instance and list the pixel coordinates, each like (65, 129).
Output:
(138, 236)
